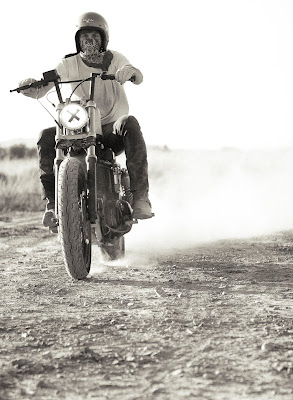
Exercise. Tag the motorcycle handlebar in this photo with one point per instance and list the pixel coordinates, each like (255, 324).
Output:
(44, 82)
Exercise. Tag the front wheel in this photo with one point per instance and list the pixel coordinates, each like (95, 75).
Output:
(74, 225)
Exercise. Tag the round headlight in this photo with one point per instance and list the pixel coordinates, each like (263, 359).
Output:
(73, 116)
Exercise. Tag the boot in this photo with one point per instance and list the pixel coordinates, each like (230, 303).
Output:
(49, 216)
(142, 209)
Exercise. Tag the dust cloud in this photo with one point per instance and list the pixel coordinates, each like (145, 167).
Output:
(202, 196)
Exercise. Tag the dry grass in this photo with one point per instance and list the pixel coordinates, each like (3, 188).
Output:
(20, 185)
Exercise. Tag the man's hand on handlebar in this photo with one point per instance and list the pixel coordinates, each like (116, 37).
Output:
(30, 91)
(128, 73)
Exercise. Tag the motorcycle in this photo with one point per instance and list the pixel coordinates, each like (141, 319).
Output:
(93, 202)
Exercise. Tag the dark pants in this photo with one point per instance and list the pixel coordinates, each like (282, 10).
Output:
(123, 135)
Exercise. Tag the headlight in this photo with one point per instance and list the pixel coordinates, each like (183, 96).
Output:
(73, 116)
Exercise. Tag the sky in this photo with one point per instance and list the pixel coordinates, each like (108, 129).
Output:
(217, 73)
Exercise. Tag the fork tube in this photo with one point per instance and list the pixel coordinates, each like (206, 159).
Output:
(59, 157)
(91, 160)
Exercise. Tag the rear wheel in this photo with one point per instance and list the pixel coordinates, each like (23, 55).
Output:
(115, 248)
(74, 225)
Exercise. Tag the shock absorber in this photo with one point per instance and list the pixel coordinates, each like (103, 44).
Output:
(125, 182)
(116, 177)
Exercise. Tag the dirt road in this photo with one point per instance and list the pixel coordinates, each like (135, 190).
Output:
(209, 322)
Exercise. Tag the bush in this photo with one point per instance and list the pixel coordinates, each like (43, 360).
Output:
(17, 151)
(32, 152)
(3, 153)
(3, 178)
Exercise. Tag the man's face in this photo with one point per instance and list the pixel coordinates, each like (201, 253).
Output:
(90, 41)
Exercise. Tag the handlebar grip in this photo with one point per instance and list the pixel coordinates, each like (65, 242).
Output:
(108, 77)
(36, 84)
(112, 77)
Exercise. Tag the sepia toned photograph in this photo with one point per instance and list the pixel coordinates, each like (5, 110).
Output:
(146, 200)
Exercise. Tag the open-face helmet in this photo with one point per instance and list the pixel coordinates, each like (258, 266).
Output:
(91, 20)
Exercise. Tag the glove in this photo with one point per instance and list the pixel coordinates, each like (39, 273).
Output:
(126, 73)
(31, 92)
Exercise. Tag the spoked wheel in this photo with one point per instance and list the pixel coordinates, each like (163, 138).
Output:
(114, 248)
(74, 226)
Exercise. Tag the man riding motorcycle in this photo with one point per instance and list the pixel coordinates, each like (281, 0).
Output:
(121, 132)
